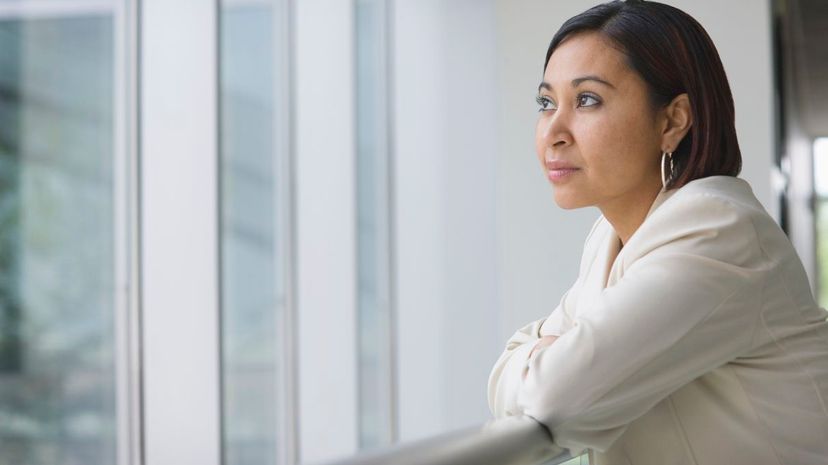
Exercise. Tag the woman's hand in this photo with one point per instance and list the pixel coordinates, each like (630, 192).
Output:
(543, 342)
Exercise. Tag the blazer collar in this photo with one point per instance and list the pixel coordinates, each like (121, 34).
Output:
(608, 263)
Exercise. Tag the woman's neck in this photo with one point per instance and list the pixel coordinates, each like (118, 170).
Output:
(626, 213)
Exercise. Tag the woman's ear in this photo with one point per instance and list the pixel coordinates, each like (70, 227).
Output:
(678, 118)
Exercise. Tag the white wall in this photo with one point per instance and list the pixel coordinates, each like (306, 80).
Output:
(445, 147)
(179, 242)
(326, 215)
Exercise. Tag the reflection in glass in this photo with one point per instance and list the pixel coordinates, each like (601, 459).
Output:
(252, 275)
(57, 294)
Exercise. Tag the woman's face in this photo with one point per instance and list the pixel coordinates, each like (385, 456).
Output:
(599, 143)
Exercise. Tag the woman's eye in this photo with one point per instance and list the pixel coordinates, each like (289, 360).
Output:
(583, 100)
(583, 97)
(545, 103)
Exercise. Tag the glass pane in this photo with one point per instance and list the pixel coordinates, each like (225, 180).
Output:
(57, 292)
(374, 303)
(252, 275)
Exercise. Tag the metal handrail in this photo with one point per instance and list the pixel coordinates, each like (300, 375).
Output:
(507, 441)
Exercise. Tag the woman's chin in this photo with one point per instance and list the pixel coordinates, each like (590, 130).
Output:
(568, 202)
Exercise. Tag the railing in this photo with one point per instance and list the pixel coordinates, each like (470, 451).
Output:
(508, 441)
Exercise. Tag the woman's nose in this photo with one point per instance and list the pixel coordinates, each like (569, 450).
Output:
(556, 131)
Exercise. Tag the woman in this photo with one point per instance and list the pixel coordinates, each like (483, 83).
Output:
(691, 335)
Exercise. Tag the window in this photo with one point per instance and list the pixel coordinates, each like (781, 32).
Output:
(64, 253)
(254, 260)
(376, 388)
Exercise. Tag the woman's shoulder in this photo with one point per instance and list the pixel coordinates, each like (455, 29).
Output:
(717, 197)
(716, 189)
(717, 216)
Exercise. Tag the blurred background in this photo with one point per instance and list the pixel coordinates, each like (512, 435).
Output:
(280, 232)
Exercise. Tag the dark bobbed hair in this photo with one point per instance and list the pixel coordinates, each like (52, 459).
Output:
(673, 54)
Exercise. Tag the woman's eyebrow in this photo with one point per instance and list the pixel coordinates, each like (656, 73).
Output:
(576, 82)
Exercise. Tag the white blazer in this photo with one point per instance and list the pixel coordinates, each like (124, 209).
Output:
(699, 342)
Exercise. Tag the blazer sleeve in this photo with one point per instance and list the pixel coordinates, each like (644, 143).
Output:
(688, 303)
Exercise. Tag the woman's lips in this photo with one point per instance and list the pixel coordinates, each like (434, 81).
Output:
(560, 174)
(557, 170)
